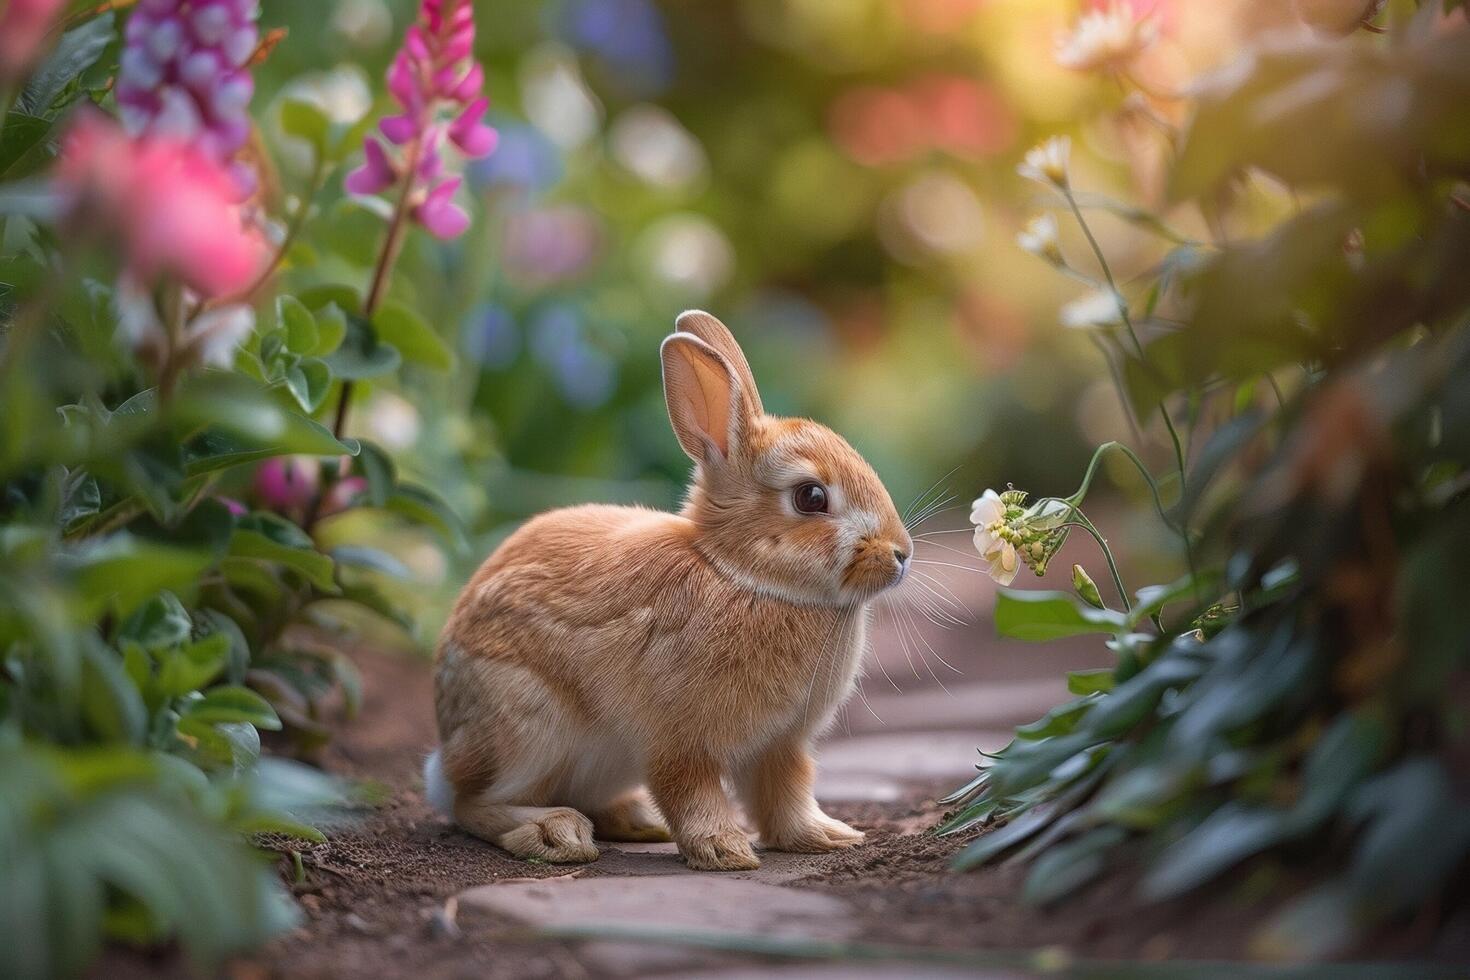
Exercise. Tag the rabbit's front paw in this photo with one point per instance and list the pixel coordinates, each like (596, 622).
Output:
(726, 851)
(817, 836)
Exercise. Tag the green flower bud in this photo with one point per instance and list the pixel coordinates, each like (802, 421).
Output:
(1086, 588)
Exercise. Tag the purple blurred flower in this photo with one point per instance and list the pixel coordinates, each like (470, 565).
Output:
(490, 337)
(524, 159)
(584, 374)
(184, 75)
(628, 36)
(234, 506)
(437, 83)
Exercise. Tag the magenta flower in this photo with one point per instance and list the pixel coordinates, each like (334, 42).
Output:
(165, 206)
(184, 75)
(437, 83)
(23, 27)
(287, 483)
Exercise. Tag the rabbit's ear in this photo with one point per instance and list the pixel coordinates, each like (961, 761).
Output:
(710, 330)
(703, 392)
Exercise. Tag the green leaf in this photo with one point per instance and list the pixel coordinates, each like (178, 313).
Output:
(122, 572)
(361, 556)
(231, 704)
(191, 667)
(270, 823)
(1085, 682)
(77, 51)
(309, 380)
(314, 566)
(423, 506)
(331, 328)
(1042, 616)
(305, 120)
(1060, 720)
(415, 339)
(300, 325)
(110, 700)
(1065, 867)
(161, 622)
(362, 354)
(22, 136)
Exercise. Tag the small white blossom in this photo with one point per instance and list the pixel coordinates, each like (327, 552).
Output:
(1049, 162)
(1039, 237)
(1107, 40)
(988, 514)
(209, 340)
(1102, 308)
(215, 335)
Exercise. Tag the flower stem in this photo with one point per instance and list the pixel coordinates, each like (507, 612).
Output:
(1107, 552)
(1107, 271)
(293, 230)
(392, 244)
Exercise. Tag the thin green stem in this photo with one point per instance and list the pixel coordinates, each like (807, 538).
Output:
(1179, 456)
(1107, 270)
(1107, 552)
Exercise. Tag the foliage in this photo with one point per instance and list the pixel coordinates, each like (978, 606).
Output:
(1297, 701)
(153, 625)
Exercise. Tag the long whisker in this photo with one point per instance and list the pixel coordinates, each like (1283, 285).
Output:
(945, 564)
(934, 613)
(932, 487)
(821, 655)
(953, 551)
(920, 634)
(933, 585)
(902, 640)
(929, 511)
(937, 513)
(957, 530)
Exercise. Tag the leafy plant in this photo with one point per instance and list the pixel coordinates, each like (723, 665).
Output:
(174, 474)
(1297, 698)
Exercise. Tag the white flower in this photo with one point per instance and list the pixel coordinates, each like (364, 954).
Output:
(209, 340)
(1049, 162)
(1039, 237)
(213, 336)
(1107, 40)
(988, 514)
(1101, 308)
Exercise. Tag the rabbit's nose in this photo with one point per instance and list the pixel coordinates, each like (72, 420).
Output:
(900, 556)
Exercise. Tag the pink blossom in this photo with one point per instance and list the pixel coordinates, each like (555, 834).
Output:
(23, 28)
(184, 73)
(287, 483)
(437, 85)
(164, 204)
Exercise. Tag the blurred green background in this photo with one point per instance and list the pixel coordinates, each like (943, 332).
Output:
(835, 180)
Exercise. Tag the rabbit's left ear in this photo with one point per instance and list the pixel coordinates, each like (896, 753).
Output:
(704, 394)
(710, 330)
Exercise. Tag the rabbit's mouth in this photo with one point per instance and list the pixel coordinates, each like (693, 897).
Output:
(877, 567)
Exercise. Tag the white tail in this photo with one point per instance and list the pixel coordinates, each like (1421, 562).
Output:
(437, 789)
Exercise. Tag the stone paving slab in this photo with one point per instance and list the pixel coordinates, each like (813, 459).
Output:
(707, 903)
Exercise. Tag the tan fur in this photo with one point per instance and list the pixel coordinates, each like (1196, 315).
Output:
(601, 649)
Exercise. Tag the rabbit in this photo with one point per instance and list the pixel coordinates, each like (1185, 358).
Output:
(608, 670)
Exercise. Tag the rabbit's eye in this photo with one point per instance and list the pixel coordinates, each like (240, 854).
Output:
(810, 498)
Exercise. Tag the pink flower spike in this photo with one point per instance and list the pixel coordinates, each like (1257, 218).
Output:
(473, 137)
(469, 86)
(403, 83)
(376, 173)
(439, 214)
(398, 129)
